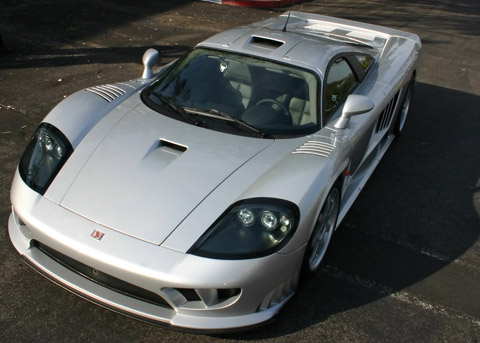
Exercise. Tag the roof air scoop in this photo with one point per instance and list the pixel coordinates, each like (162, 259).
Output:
(266, 42)
(150, 59)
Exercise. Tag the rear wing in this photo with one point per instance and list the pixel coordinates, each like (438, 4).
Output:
(319, 25)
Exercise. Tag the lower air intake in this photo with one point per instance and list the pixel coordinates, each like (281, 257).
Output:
(101, 278)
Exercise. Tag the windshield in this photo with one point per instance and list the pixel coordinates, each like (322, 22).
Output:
(276, 99)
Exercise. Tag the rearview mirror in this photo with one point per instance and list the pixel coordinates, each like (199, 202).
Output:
(150, 59)
(355, 104)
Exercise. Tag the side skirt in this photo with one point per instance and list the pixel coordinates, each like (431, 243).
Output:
(355, 185)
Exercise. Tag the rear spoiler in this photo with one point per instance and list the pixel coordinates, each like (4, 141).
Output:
(315, 24)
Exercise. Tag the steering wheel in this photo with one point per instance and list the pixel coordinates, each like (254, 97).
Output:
(276, 102)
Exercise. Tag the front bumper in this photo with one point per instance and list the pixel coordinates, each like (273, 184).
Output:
(199, 293)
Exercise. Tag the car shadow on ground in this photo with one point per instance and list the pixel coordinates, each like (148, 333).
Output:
(417, 214)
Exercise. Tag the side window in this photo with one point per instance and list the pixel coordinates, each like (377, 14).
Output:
(365, 61)
(340, 82)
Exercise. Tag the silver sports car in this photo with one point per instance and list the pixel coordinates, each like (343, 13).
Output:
(198, 195)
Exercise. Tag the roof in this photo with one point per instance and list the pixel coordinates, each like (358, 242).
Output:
(302, 39)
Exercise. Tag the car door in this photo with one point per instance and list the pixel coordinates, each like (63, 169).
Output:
(344, 74)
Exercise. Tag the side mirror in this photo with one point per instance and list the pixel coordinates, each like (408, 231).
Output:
(355, 104)
(150, 59)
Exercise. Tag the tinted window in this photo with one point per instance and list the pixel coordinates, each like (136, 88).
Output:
(340, 82)
(365, 61)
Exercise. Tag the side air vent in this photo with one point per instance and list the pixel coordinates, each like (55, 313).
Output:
(315, 148)
(266, 42)
(107, 92)
(386, 116)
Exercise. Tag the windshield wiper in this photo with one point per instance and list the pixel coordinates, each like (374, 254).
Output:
(213, 113)
(176, 109)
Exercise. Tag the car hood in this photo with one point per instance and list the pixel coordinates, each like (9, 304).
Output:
(149, 172)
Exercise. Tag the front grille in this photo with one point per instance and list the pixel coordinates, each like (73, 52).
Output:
(101, 278)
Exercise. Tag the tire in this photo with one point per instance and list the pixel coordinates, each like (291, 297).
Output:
(403, 113)
(321, 234)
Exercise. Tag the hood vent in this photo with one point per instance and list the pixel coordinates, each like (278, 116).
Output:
(315, 148)
(172, 146)
(107, 92)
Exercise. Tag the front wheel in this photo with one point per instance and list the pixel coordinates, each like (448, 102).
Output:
(322, 233)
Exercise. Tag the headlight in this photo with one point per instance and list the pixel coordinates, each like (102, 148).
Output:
(44, 156)
(249, 228)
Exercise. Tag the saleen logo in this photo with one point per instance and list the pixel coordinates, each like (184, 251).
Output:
(97, 235)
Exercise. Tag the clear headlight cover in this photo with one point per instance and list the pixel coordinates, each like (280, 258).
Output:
(44, 156)
(248, 229)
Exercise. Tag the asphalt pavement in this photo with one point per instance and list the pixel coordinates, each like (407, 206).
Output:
(405, 263)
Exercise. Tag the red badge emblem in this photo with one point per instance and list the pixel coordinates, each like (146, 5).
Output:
(97, 235)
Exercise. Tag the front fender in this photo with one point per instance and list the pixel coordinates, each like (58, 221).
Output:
(80, 112)
(304, 178)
